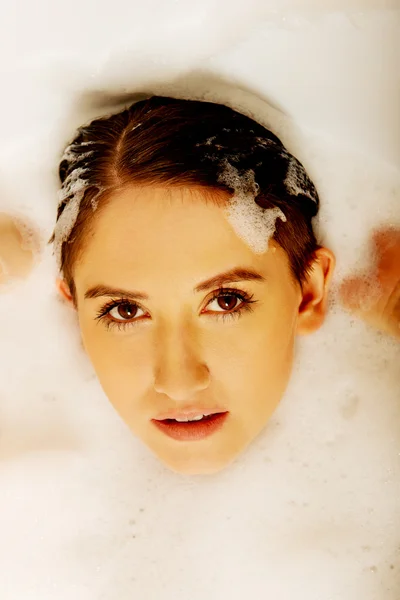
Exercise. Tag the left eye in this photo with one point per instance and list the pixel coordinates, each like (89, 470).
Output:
(225, 302)
(124, 312)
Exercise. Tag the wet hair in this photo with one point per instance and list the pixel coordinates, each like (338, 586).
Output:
(164, 141)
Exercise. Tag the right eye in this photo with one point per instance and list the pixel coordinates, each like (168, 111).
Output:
(123, 312)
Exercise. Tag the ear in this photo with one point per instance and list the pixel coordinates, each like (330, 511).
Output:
(312, 309)
(64, 291)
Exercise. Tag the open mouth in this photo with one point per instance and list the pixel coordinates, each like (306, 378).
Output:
(192, 419)
(191, 428)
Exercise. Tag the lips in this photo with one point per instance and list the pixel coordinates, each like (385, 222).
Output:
(188, 413)
(191, 430)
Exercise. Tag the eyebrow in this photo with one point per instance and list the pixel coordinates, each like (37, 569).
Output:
(233, 275)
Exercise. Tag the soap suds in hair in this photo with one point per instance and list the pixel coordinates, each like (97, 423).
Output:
(71, 193)
(73, 157)
(252, 223)
(296, 180)
(263, 141)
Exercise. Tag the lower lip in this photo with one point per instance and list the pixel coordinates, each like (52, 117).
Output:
(194, 430)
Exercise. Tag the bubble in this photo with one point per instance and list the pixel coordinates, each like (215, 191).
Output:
(350, 406)
(373, 569)
(296, 180)
(73, 157)
(72, 191)
(252, 223)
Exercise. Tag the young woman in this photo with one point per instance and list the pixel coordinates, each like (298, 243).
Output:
(185, 243)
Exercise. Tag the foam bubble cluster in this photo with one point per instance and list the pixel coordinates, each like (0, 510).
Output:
(73, 157)
(296, 181)
(252, 223)
(71, 193)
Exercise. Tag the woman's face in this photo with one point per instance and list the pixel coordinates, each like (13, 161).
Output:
(163, 349)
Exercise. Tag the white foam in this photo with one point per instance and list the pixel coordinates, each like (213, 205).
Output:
(73, 157)
(73, 190)
(252, 223)
(295, 180)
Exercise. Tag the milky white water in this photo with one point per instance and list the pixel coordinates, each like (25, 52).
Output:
(312, 510)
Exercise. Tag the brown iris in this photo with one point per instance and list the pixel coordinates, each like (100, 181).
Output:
(126, 311)
(225, 300)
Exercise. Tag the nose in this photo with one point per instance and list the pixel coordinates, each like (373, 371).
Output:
(179, 371)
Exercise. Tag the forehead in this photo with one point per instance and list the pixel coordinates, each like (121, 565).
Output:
(169, 232)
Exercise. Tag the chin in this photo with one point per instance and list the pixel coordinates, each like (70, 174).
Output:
(188, 466)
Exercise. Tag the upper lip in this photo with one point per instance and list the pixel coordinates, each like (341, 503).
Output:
(189, 413)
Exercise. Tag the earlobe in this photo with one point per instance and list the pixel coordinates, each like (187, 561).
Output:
(64, 290)
(312, 309)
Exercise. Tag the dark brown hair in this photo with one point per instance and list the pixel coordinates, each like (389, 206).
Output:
(172, 142)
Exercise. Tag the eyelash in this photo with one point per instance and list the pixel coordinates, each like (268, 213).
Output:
(247, 300)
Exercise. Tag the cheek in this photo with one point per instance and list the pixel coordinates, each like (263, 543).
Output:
(121, 364)
(260, 363)
(263, 363)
